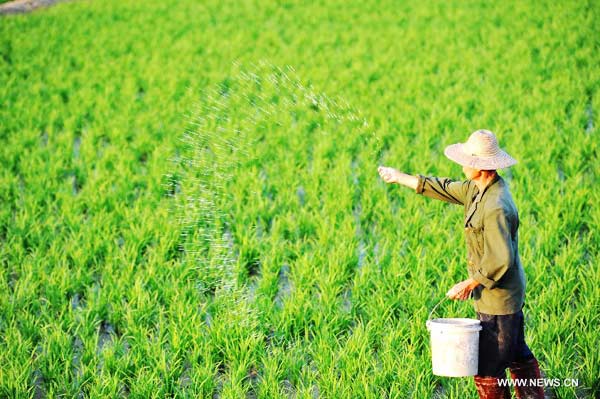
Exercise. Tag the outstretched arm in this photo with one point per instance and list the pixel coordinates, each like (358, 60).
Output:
(440, 188)
(391, 175)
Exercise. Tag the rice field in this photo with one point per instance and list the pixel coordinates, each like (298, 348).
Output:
(191, 205)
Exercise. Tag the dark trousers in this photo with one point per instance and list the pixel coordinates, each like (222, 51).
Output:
(501, 342)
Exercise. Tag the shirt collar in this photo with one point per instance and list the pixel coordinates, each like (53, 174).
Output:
(490, 184)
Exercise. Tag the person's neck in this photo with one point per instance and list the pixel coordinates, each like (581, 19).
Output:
(483, 180)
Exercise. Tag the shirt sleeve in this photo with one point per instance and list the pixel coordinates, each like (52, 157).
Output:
(443, 189)
(497, 249)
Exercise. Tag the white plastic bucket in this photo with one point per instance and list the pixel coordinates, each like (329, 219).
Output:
(454, 346)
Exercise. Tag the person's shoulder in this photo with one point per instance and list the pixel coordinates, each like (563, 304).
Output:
(500, 189)
(468, 184)
(500, 204)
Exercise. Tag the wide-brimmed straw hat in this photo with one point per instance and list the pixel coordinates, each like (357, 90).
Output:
(481, 151)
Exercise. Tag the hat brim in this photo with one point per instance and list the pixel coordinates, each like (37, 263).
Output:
(501, 160)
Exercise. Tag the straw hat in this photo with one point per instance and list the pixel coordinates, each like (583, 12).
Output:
(481, 151)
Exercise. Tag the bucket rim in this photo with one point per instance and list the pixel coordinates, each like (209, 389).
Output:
(454, 324)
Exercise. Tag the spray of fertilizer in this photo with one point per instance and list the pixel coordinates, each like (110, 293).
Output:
(233, 131)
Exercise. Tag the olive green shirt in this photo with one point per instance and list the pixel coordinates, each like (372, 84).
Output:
(491, 224)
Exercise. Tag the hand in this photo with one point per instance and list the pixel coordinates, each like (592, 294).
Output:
(462, 290)
(389, 175)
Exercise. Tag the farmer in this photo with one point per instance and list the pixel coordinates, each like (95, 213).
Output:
(496, 280)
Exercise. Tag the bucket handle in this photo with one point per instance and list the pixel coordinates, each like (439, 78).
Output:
(435, 307)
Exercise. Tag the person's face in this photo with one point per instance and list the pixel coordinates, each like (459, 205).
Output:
(471, 173)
